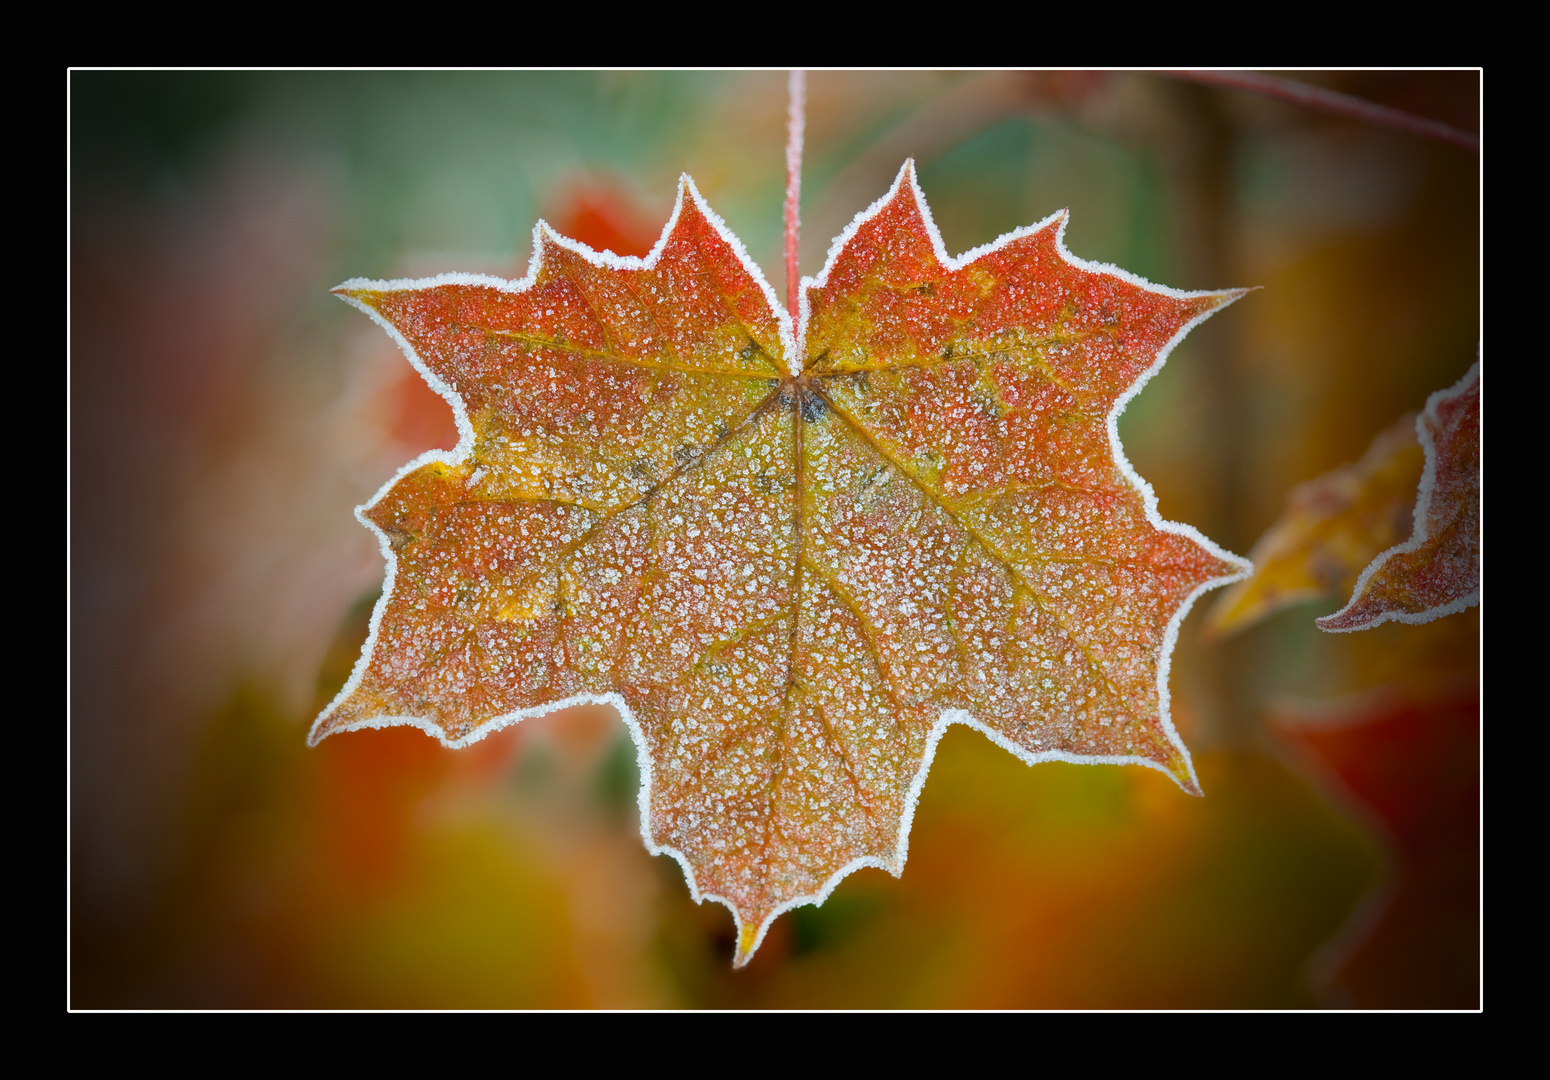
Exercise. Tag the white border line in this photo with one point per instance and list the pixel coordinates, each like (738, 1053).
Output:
(895, 863)
(1418, 533)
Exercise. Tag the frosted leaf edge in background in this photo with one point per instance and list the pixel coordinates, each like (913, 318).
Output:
(1428, 423)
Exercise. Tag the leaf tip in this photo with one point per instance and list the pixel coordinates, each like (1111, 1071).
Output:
(546, 232)
(1224, 297)
(747, 944)
(908, 180)
(1178, 767)
(1342, 622)
(356, 291)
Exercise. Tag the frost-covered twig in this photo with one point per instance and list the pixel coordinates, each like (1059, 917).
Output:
(1331, 101)
(796, 113)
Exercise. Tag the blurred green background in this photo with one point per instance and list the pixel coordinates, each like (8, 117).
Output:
(227, 414)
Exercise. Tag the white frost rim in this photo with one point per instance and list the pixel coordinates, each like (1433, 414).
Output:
(789, 340)
(1418, 531)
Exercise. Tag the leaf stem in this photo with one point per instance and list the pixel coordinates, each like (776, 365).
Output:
(796, 119)
(1331, 101)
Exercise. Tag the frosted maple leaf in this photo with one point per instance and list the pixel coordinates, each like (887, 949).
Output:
(790, 552)
(1435, 572)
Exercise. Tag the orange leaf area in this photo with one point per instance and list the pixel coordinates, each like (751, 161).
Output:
(1331, 528)
(1411, 768)
(789, 556)
(1437, 571)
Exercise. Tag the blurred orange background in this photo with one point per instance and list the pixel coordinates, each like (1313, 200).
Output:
(226, 415)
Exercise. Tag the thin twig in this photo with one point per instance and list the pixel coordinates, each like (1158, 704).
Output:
(796, 116)
(1330, 101)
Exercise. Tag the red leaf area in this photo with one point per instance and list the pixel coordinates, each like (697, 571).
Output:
(1413, 767)
(603, 216)
(789, 576)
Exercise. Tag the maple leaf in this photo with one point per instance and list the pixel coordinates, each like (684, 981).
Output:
(789, 555)
(1437, 571)
(1331, 529)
